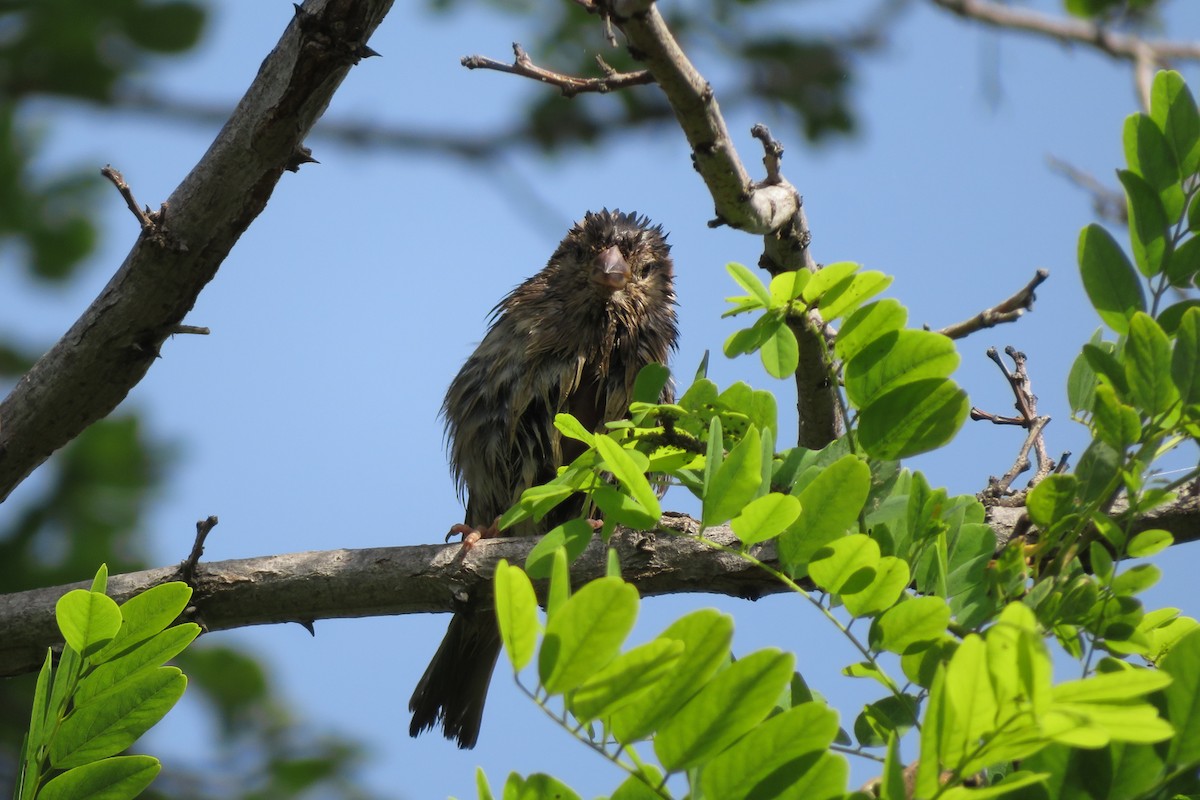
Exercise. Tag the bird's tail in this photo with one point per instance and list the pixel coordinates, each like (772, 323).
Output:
(454, 686)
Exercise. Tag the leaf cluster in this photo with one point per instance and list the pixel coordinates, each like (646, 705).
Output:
(110, 686)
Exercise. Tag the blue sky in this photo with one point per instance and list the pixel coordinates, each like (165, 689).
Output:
(308, 419)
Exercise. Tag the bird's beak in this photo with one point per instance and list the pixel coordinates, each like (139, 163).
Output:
(612, 271)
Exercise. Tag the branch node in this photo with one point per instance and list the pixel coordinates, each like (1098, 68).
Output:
(118, 180)
(569, 85)
(300, 156)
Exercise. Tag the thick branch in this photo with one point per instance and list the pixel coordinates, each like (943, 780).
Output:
(334, 584)
(762, 208)
(304, 587)
(111, 347)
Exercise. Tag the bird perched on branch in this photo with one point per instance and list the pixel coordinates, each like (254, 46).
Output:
(570, 339)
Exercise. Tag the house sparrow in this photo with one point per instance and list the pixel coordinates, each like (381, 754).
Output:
(570, 339)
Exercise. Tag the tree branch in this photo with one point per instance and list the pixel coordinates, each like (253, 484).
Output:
(569, 85)
(111, 347)
(1073, 31)
(420, 579)
(1009, 310)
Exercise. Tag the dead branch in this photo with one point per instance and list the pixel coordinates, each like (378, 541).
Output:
(569, 85)
(1009, 310)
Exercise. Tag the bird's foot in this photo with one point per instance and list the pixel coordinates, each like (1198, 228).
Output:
(471, 534)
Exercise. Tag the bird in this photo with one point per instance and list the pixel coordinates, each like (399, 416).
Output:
(571, 339)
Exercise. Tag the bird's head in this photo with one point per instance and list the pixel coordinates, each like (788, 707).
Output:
(617, 260)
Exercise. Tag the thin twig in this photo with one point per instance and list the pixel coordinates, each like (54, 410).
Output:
(569, 85)
(118, 180)
(999, 490)
(187, 569)
(772, 153)
(1009, 310)
(195, 330)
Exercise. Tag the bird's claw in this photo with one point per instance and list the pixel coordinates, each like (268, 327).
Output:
(471, 534)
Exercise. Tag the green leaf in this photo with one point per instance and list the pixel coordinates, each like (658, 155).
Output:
(88, 620)
(516, 611)
(845, 564)
(891, 576)
(826, 278)
(573, 536)
(1150, 157)
(868, 324)
(537, 786)
(1011, 782)
(781, 353)
(750, 282)
(1148, 366)
(148, 655)
(146, 614)
(1136, 580)
(100, 580)
(1147, 224)
(1115, 422)
(969, 691)
(911, 625)
(1102, 358)
(1052, 499)
(114, 720)
(1185, 361)
(1109, 279)
(1182, 663)
(735, 482)
(117, 778)
(787, 286)
(630, 675)
(733, 703)
(1081, 383)
(705, 635)
(572, 428)
(765, 517)
(650, 382)
(586, 633)
(912, 419)
(559, 591)
(1173, 108)
(849, 295)
(896, 359)
(747, 340)
(1183, 263)
(1147, 543)
(742, 770)
(1111, 687)
(829, 506)
(890, 716)
(620, 462)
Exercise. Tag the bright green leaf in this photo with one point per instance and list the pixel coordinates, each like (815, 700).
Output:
(750, 282)
(88, 620)
(1182, 663)
(911, 625)
(116, 778)
(826, 278)
(829, 505)
(113, 721)
(705, 635)
(903, 357)
(1147, 224)
(1147, 543)
(626, 679)
(1110, 280)
(1173, 108)
(868, 324)
(765, 517)
(1148, 366)
(737, 772)
(1185, 360)
(735, 482)
(586, 633)
(733, 703)
(845, 564)
(1052, 499)
(891, 577)
(516, 611)
(780, 353)
(912, 419)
